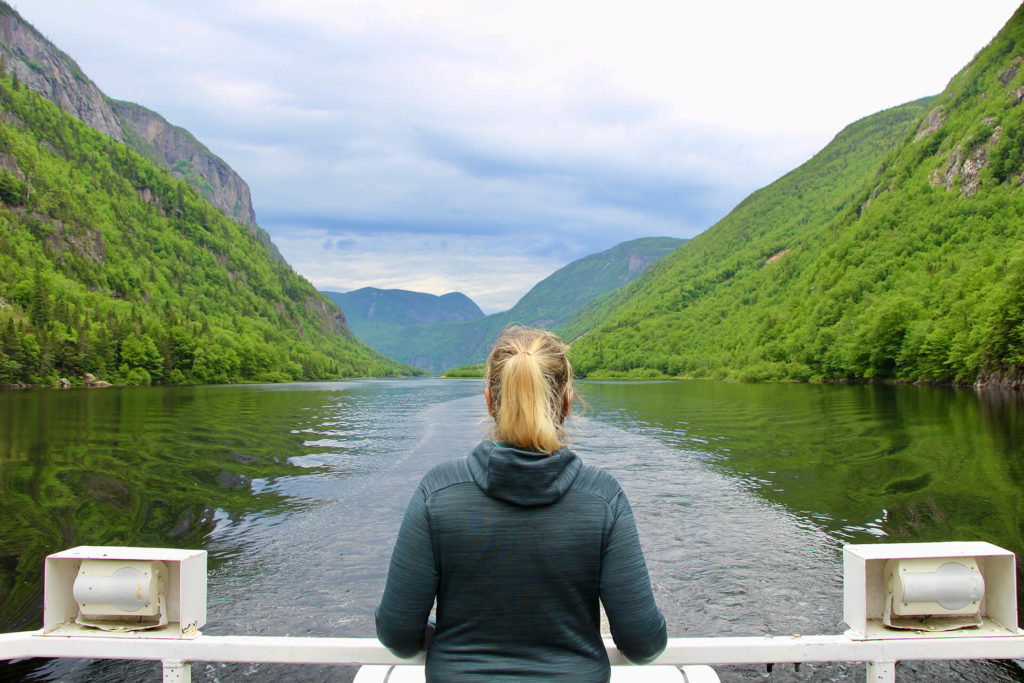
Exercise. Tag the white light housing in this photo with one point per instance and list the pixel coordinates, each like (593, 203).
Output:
(908, 590)
(106, 590)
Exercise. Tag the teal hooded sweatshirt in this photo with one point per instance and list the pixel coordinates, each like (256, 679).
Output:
(517, 547)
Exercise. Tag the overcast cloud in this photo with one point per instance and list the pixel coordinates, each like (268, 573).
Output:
(478, 146)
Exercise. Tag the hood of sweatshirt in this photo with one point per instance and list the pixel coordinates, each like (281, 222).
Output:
(523, 477)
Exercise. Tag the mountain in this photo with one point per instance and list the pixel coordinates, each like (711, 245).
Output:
(896, 253)
(402, 307)
(550, 303)
(45, 69)
(376, 314)
(110, 265)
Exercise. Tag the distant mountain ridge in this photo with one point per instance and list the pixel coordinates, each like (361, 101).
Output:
(550, 303)
(47, 70)
(370, 309)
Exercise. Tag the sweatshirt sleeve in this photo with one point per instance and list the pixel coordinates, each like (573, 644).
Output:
(401, 617)
(637, 625)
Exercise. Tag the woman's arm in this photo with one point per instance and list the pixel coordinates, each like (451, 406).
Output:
(638, 628)
(412, 583)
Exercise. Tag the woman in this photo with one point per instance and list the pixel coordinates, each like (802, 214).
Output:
(518, 542)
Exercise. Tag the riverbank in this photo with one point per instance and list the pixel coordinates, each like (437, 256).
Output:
(995, 381)
(89, 381)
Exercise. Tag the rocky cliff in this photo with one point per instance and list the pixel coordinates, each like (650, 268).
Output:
(187, 158)
(44, 68)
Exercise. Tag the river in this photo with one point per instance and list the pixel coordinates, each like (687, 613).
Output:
(744, 496)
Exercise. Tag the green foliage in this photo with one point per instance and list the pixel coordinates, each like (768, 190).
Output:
(12, 189)
(894, 254)
(140, 353)
(110, 265)
(137, 376)
(476, 371)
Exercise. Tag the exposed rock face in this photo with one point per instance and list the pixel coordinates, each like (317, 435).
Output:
(964, 167)
(44, 68)
(8, 163)
(638, 263)
(936, 117)
(85, 242)
(997, 380)
(186, 156)
(51, 73)
(777, 255)
(332, 316)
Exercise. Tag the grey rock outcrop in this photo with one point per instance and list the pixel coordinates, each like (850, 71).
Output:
(90, 381)
(936, 117)
(963, 169)
(186, 156)
(45, 69)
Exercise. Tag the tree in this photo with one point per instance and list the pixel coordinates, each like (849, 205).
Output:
(12, 189)
(141, 352)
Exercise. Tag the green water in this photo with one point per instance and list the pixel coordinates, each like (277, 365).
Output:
(132, 466)
(744, 495)
(902, 463)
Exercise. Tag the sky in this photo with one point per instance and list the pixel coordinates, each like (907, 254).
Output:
(479, 145)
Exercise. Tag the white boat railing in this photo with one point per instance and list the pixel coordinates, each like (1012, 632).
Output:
(879, 655)
(911, 601)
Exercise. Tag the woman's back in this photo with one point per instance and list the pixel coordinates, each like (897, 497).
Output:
(518, 545)
(518, 582)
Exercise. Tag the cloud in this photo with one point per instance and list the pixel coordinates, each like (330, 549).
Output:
(495, 276)
(507, 138)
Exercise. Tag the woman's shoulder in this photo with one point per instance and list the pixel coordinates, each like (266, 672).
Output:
(598, 482)
(445, 474)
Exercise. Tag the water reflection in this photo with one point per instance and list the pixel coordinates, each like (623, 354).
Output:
(865, 463)
(744, 495)
(830, 465)
(129, 466)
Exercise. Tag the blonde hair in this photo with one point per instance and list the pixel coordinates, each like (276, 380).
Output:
(530, 383)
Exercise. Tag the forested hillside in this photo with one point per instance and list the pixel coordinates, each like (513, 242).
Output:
(550, 303)
(897, 252)
(109, 265)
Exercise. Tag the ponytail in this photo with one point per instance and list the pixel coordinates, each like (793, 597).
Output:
(530, 384)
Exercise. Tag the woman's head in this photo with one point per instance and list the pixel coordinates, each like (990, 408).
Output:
(529, 388)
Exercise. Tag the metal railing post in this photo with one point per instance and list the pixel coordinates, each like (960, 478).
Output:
(177, 671)
(881, 672)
